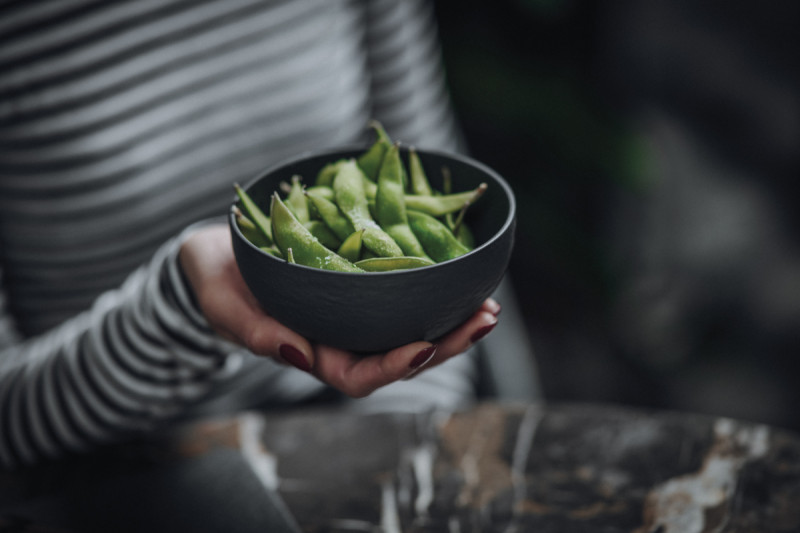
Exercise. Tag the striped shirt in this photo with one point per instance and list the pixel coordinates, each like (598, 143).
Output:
(123, 123)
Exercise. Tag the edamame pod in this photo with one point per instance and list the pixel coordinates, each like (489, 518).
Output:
(441, 205)
(370, 161)
(331, 215)
(296, 200)
(324, 191)
(386, 264)
(370, 188)
(379, 242)
(272, 250)
(447, 188)
(437, 239)
(351, 247)
(419, 181)
(459, 228)
(323, 233)
(288, 233)
(249, 229)
(465, 236)
(327, 173)
(390, 207)
(348, 187)
(258, 217)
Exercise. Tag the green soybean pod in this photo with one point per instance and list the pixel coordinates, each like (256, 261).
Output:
(349, 189)
(370, 189)
(447, 203)
(272, 250)
(387, 264)
(419, 181)
(249, 229)
(379, 242)
(351, 247)
(370, 161)
(289, 233)
(465, 236)
(255, 214)
(323, 233)
(366, 254)
(457, 226)
(437, 239)
(390, 206)
(324, 191)
(326, 174)
(296, 200)
(447, 188)
(460, 229)
(331, 215)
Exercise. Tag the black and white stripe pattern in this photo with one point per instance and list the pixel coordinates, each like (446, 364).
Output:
(121, 123)
(135, 356)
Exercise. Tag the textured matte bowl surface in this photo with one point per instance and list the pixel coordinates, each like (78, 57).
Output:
(374, 312)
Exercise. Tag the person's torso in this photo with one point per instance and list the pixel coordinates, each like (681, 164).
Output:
(123, 122)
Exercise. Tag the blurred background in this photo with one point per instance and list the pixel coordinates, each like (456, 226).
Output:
(654, 147)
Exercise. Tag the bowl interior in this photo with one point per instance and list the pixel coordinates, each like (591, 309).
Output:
(493, 212)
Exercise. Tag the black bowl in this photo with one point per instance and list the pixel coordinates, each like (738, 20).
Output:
(374, 312)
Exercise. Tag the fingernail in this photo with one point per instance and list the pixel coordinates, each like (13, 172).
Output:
(481, 333)
(422, 357)
(495, 308)
(294, 357)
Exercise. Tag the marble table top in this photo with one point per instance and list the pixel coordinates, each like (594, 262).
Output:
(495, 468)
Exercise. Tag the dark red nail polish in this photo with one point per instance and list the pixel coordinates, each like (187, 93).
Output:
(294, 357)
(481, 333)
(422, 357)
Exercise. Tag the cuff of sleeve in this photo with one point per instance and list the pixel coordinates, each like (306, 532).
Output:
(173, 305)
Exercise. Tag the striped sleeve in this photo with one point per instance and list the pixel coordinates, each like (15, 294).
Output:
(135, 358)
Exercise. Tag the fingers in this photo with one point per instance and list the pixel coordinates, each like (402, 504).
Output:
(470, 332)
(243, 319)
(359, 376)
(229, 306)
(231, 309)
(355, 375)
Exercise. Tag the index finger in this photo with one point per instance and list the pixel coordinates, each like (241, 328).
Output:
(358, 376)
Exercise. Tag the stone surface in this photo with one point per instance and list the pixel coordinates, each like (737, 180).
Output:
(500, 468)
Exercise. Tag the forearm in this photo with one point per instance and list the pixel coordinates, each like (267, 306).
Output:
(136, 357)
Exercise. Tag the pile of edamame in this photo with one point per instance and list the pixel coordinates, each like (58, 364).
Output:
(364, 214)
